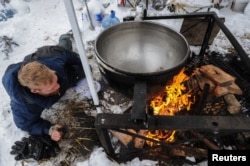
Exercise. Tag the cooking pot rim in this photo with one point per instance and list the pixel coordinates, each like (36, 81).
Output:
(102, 62)
(117, 70)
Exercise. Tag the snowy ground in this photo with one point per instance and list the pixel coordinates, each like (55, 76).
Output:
(41, 22)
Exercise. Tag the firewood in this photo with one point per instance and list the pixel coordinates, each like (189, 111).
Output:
(125, 139)
(224, 90)
(233, 105)
(202, 80)
(217, 75)
(188, 151)
(220, 91)
(139, 142)
(206, 141)
(234, 89)
(233, 109)
(191, 83)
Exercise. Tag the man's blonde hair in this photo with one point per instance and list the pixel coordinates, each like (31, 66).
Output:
(34, 74)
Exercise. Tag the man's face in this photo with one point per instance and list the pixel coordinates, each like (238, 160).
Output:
(48, 89)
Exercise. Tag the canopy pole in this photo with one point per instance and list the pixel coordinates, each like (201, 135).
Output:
(79, 43)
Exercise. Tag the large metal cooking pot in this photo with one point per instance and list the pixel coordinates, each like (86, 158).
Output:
(140, 51)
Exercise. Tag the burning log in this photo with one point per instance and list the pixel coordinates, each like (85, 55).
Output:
(139, 142)
(192, 84)
(203, 99)
(125, 139)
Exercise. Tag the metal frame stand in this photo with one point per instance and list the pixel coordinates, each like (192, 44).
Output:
(104, 121)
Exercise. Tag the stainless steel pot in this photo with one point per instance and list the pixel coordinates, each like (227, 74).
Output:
(140, 51)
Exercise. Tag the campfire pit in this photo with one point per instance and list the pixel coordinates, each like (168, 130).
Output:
(196, 129)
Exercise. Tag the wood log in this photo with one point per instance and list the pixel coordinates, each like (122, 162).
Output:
(217, 75)
(139, 142)
(202, 80)
(206, 141)
(233, 105)
(224, 90)
(234, 89)
(188, 151)
(191, 84)
(125, 139)
(220, 91)
(233, 109)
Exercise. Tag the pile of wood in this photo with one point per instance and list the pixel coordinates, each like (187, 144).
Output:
(175, 150)
(221, 84)
(126, 139)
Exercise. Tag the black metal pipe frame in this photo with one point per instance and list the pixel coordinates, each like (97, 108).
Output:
(104, 122)
(227, 124)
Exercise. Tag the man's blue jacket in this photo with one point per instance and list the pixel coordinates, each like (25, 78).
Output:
(26, 106)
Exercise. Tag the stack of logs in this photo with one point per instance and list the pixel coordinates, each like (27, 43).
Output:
(221, 84)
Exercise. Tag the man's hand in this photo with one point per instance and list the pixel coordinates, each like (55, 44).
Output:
(55, 132)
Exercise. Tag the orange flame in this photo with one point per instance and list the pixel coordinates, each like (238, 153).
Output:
(173, 101)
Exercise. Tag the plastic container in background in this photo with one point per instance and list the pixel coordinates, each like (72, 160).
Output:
(110, 20)
(98, 19)
(95, 9)
(92, 17)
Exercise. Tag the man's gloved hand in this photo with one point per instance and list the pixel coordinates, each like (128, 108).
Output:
(51, 148)
(20, 149)
(36, 147)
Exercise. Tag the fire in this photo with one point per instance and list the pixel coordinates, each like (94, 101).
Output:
(174, 99)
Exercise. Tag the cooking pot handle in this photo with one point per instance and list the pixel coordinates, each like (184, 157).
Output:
(138, 114)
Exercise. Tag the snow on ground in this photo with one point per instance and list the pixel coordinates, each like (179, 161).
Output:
(41, 22)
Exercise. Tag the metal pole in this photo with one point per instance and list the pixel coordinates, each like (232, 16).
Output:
(90, 19)
(79, 43)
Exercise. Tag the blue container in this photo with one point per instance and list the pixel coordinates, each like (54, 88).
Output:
(110, 20)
